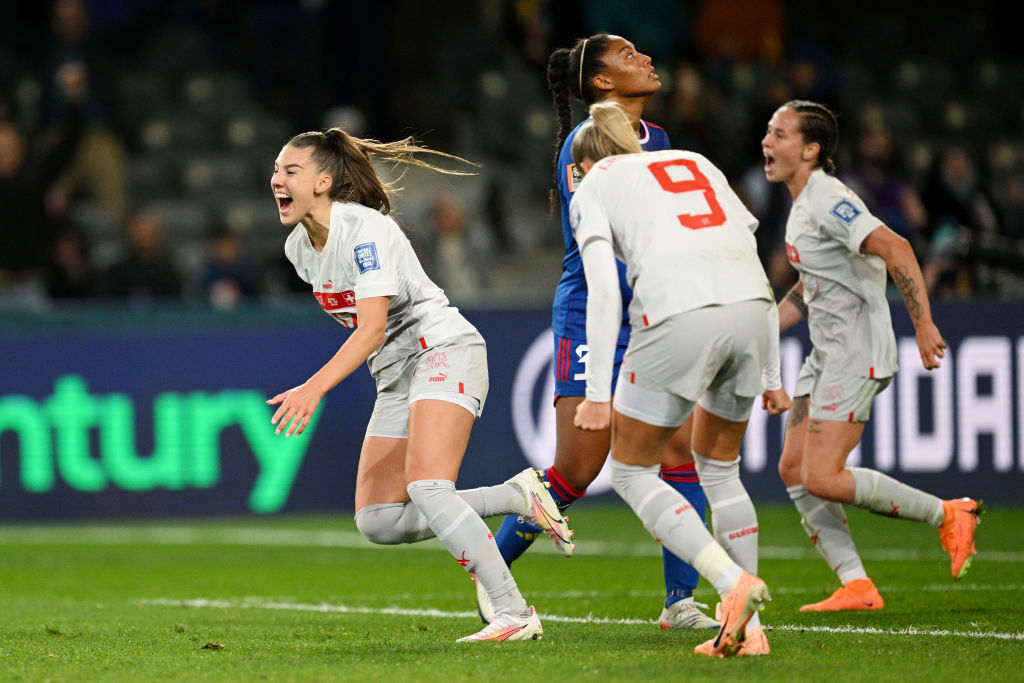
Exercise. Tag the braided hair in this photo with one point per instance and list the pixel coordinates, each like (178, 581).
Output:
(818, 124)
(570, 75)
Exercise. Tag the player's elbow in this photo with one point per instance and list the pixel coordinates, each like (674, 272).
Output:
(901, 245)
(374, 333)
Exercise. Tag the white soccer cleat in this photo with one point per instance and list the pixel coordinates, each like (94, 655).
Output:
(483, 601)
(504, 626)
(542, 510)
(685, 614)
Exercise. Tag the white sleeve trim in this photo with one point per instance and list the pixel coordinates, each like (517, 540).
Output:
(604, 316)
(771, 376)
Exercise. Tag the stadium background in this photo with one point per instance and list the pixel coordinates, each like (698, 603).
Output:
(144, 398)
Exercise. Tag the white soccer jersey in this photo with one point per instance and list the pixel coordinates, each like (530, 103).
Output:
(685, 237)
(368, 255)
(844, 290)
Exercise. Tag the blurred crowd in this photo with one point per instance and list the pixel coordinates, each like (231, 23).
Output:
(136, 138)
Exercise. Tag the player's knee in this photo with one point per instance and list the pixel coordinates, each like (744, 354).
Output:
(580, 472)
(789, 472)
(379, 523)
(819, 484)
(715, 472)
(678, 452)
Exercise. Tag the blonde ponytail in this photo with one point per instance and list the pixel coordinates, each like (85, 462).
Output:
(609, 132)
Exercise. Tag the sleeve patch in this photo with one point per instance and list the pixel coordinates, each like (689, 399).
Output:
(366, 257)
(574, 174)
(845, 211)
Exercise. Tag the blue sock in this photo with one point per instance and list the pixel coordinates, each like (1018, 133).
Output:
(681, 578)
(515, 534)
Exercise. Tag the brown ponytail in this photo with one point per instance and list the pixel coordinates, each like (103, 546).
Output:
(347, 160)
(818, 124)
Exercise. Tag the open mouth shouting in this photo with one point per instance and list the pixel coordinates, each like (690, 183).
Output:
(284, 203)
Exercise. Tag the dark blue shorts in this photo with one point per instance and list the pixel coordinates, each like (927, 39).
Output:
(571, 366)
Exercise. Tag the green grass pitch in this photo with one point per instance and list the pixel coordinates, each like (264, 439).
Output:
(306, 599)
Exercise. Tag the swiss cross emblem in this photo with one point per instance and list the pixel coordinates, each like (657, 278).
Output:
(332, 302)
(792, 254)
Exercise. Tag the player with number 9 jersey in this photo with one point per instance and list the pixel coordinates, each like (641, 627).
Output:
(704, 343)
(685, 237)
(601, 67)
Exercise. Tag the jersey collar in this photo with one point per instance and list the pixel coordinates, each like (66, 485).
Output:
(645, 135)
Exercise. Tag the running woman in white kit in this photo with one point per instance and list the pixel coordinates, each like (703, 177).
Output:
(842, 254)
(429, 364)
(704, 339)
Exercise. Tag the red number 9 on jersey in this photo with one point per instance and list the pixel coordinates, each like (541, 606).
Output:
(699, 183)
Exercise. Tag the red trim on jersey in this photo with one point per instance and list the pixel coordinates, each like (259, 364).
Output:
(331, 301)
(645, 321)
(462, 388)
(871, 373)
(423, 343)
(567, 361)
(632, 378)
(851, 417)
(564, 354)
(560, 360)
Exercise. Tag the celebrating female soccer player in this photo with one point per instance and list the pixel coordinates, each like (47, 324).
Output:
(428, 361)
(842, 253)
(600, 68)
(704, 339)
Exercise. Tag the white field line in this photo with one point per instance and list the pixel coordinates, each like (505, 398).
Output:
(253, 536)
(255, 603)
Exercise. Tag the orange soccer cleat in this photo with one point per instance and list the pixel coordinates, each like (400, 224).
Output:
(755, 643)
(857, 594)
(957, 532)
(747, 596)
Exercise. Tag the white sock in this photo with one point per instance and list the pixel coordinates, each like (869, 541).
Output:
(883, 495)
(825, 523)
(393, 523)
(491, 501)
(673, 522)
(733, 518)
(715, 565)
(468, 539)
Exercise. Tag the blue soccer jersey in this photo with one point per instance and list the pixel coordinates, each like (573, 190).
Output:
(569, 312)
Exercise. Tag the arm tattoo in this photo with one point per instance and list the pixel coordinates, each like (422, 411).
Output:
(797, 299)
(901, 276)
(814, 426)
